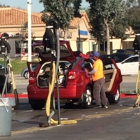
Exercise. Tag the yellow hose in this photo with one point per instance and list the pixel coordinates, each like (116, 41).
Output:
(137, 84)
(137, 79)
(14, 87)
(51, 85)
(48, 102)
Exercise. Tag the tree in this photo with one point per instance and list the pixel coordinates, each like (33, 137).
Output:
(61, 10)
(23, 36)
(133, 11)
(4, 5)
(104, 13)
(118, 28)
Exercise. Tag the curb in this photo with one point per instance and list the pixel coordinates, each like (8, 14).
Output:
(128, 95)
(25, 95)
(20, 95)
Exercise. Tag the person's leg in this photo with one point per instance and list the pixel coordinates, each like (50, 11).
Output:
(96, 92)
(103, 95)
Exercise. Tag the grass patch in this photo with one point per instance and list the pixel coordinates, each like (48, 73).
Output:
(131, 91)
(17, 65)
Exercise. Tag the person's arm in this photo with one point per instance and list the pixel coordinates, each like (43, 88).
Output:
(85, 56)
(92, 72)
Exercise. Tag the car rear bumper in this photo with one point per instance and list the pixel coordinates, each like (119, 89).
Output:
(41, 93)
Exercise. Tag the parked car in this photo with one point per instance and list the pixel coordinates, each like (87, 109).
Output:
(25, 73)
(2, 67)
(118, 57)
(3, 79)
(75, 85)
(117, 51)
(129, 66)
(124, 51)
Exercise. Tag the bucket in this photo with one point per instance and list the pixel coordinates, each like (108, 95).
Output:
(5, 116)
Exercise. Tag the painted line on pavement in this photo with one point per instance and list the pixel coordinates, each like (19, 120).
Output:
(31, 130)
(116, 111)
(88, 117)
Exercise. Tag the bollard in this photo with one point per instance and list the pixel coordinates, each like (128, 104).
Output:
(5, 116)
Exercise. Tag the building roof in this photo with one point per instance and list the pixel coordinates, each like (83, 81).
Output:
(16, 16)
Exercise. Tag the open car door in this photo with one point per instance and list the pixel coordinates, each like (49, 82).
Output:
(113, 76)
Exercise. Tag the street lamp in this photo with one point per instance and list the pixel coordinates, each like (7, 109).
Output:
(79, 34)
(29, 31)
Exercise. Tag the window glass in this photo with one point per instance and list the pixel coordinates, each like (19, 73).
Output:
(108, 64)
(132, 59)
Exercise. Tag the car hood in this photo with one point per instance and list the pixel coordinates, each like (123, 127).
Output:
(66, 52)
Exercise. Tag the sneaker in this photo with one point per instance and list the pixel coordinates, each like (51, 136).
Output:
(97, 106)
(105, 106)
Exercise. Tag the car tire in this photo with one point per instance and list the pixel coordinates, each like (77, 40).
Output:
(87, 98)
(37, 104)
(26, 75)
(114, 99)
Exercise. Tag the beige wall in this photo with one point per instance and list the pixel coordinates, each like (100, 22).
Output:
(87, 42)
(73, 45)
(116, 43)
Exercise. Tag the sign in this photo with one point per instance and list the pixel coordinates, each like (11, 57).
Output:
(82, 32)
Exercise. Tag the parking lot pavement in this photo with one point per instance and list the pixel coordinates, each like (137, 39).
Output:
(20, 80)
(25, 121)
(129, 78)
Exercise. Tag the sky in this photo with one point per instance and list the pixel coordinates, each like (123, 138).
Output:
(35, 7)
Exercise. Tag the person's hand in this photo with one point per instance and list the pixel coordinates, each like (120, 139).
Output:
(86, 71)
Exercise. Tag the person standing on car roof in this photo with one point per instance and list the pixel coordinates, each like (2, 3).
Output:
(98, 81)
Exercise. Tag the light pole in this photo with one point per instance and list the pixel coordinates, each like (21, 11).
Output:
(79, 34)
(29, 31)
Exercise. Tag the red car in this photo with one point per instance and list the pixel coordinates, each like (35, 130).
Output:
(74, 84)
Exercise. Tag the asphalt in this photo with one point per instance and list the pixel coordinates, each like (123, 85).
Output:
(19, 79)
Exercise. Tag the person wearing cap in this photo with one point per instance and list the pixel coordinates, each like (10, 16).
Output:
(98, 81)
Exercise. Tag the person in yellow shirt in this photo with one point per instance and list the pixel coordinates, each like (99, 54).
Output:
(98, 81)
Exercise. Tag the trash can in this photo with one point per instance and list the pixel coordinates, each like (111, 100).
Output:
(5, 116)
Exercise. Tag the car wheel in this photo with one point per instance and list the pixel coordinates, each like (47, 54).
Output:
(26, 75)
(87, 98)
(37, 104)
(114, 98)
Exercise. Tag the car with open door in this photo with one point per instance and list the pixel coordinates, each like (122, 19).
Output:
(74, 83)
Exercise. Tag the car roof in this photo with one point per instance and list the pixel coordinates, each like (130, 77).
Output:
(130, 57)
(118, 51)
(118, 57)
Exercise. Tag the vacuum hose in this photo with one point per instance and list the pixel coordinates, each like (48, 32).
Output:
(48, 102)
(51, 87)
(51, 40)
(14, 87)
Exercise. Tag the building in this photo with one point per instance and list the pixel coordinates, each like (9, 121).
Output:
(13, 19)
